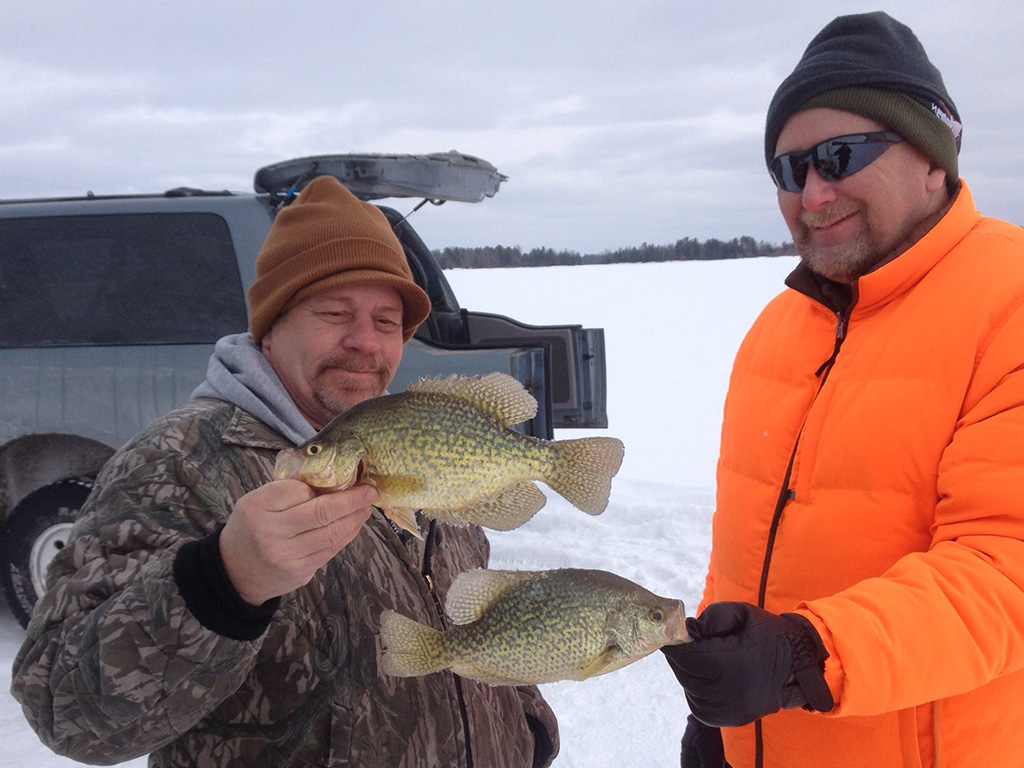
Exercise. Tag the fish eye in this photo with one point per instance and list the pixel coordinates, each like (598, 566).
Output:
(313, 449)
(656, 614)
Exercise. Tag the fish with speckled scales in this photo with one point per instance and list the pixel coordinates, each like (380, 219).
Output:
(445, 449)
(532, 627)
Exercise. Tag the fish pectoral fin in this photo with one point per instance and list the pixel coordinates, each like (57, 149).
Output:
(608, 659)
(505, 512)
(621, 632)
(621, 648)
(404, 518)
(396, 486)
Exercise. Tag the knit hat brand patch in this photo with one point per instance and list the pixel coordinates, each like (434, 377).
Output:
(946, 116)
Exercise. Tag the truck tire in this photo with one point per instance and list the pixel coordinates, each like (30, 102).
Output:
(37, 528)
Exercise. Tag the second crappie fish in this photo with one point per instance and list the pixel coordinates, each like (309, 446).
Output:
(532, 627)
(444, 448)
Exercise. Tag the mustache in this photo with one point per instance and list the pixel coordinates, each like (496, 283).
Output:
(355, 362)
(824, 217)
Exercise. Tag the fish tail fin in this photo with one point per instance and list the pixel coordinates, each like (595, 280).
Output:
(410, 648)
(583, 469)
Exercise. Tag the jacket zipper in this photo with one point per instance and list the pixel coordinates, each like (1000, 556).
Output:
(786, 494)
(428, 555)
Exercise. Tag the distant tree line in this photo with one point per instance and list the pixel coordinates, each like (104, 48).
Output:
(687, 249)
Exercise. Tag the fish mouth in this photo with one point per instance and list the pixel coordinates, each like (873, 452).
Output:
(678, 638)
(675, 631)
(328, 481)
(289, 465)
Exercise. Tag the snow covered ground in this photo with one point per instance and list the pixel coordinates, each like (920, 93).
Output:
(671, 331)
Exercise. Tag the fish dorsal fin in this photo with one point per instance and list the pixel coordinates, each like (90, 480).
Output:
(497, 394)
(473, 592)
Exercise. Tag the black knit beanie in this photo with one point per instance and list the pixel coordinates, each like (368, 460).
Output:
(872, 65)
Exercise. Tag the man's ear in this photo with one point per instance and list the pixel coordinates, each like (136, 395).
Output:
(266, 340)
(936, 178)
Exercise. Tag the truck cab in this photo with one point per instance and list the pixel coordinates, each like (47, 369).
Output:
(110, 307)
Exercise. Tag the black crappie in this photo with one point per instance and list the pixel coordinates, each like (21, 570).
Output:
(531, 627)
(444, 448)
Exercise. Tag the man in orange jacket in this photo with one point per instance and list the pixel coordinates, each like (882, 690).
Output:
(864, 602)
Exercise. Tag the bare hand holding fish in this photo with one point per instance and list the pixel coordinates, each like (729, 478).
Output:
(531, 627)
(444, 447)
(279, 535)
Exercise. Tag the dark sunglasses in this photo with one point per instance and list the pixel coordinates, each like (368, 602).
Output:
(833, 159)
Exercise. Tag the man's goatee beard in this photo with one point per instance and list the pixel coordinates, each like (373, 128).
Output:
(336, 401)
(844, 262)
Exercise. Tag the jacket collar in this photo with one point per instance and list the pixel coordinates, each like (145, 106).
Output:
(898, 276)
(247, 431)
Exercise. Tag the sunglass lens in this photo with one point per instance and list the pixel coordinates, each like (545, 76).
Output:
(837, 158)
(833, 159)
(789, 172)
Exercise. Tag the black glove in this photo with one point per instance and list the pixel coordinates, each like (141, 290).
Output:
(745, 663)
(701, 746)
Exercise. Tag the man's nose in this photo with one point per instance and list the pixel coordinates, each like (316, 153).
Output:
(817, 191)
(361, 335)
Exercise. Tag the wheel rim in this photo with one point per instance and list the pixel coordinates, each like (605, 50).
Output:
(44, 549)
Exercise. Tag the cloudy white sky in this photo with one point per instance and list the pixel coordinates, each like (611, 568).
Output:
(618, 122)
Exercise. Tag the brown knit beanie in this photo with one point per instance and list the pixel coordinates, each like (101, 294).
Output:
(326, 238)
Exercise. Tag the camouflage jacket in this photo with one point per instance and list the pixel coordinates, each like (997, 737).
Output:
(115, 665)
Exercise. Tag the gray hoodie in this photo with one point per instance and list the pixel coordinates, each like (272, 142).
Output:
(240, 374)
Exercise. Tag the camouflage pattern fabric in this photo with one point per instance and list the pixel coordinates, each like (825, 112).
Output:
(116, 666)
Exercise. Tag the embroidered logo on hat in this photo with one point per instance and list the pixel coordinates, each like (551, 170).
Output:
(946, 116)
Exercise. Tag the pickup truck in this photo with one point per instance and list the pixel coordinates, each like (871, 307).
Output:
(110, 307)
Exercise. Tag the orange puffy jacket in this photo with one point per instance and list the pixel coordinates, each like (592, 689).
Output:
(871, 478)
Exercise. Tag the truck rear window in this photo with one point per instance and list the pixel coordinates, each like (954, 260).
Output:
(121, 279)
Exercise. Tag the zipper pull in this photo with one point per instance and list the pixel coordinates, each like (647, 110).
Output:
(840, 336)
(428, 554)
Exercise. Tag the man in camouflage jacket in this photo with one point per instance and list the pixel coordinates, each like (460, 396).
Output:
(194, 619)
